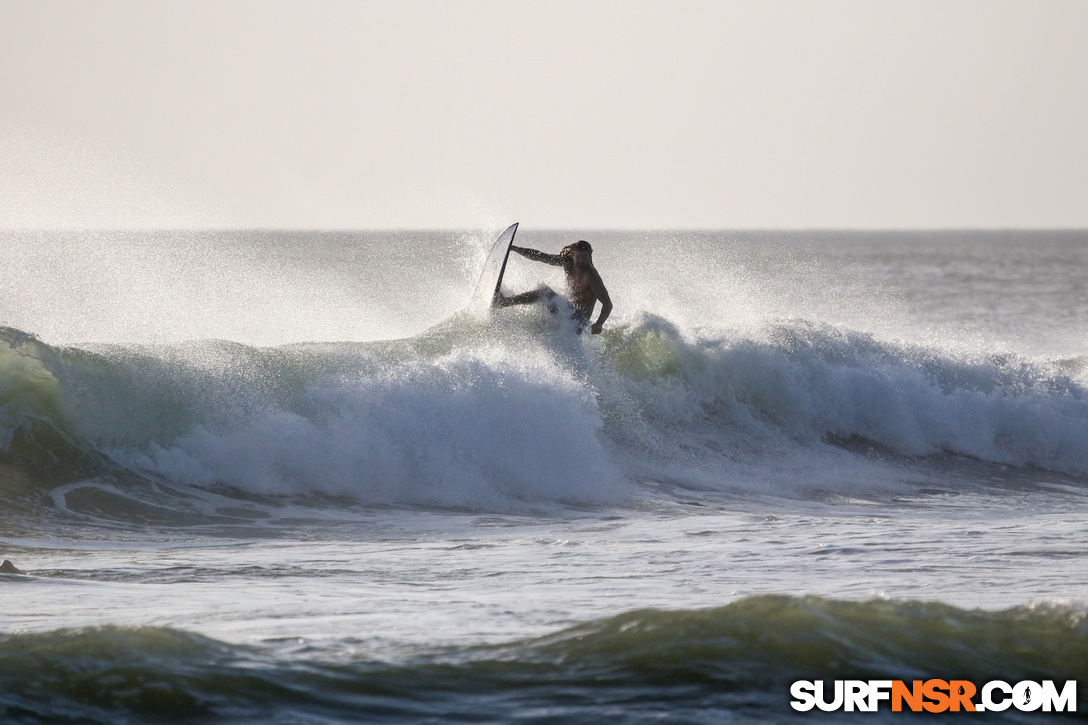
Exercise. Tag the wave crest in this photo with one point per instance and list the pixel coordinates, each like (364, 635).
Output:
(817, 383)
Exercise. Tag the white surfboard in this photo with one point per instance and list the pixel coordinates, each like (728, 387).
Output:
(491, 277)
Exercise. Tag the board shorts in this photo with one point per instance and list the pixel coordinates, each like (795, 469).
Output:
(581, 322)
(555, 302)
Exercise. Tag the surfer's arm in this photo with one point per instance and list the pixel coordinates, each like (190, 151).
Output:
(537, 256)
(606, 304)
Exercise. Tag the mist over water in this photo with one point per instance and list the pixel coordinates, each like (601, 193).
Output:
(1015, 292)
(255, 288)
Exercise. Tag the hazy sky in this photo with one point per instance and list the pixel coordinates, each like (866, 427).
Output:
(728, 114)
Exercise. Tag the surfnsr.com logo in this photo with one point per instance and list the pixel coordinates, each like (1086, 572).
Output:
(934, 696)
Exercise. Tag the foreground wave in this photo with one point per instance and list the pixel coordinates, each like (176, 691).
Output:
(735, 662)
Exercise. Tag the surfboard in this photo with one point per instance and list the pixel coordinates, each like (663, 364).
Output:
(491, 277)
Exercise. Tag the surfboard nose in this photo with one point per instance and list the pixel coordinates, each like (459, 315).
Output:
(487, 289)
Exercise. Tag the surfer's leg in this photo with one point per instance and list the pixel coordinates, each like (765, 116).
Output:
(525, 298)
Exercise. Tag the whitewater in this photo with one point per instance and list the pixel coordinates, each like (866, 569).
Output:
(286, 477)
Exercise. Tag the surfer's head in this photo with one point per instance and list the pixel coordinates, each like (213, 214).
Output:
(580, 249)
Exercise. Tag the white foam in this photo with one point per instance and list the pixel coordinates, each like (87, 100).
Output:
(476, 429)
(807, 383)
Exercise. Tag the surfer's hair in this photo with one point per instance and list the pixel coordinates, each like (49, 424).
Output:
(580, 246)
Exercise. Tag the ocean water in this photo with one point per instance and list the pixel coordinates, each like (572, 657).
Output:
(283, 477)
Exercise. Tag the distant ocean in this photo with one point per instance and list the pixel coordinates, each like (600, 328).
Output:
(283, 477)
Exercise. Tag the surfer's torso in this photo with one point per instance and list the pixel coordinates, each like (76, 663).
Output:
(581, 283)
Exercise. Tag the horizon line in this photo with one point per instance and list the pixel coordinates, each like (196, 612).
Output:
(585, 229)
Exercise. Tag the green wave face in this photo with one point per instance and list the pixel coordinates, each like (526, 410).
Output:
(735, 661)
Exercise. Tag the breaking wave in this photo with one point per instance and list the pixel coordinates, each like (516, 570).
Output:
(482, 415)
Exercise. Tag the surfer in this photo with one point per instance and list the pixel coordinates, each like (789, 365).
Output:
(586, 287)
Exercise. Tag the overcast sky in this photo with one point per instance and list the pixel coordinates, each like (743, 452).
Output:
(634, 114)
